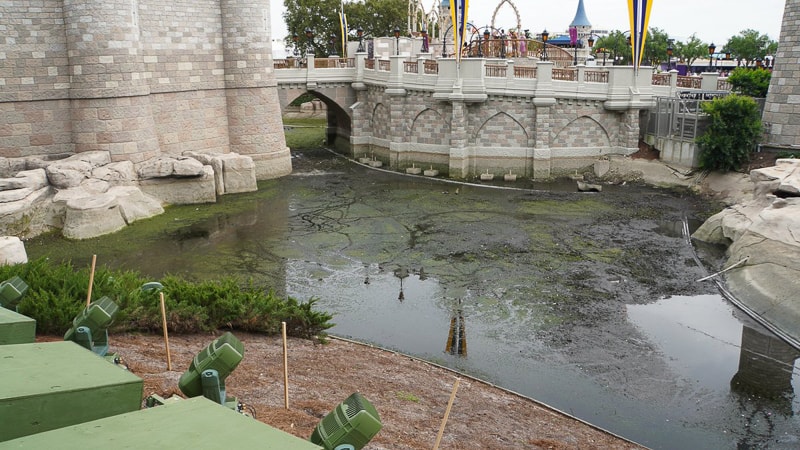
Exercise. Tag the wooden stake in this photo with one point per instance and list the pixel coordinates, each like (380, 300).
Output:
(164, 325)
(285, 367)
(446, 414)
(91, 281)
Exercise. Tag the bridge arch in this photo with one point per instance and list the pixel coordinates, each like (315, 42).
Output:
(502, 126)
(430, 127)
(582, 132)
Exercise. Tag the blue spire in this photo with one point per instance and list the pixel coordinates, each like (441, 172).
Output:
(580, 19)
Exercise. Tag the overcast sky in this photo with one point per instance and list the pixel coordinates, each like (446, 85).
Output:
(710, 20)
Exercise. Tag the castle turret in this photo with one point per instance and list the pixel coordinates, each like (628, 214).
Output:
(581, 22)
(782, 108)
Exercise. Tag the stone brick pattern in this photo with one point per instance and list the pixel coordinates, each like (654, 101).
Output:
(139, 78)
(430, 127)
(582, 124)
(33, 51)
(782, 110)
(501, 122)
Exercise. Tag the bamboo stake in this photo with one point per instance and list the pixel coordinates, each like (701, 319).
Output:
(724, 270)
(285, 367)
(446, 414)
(164, 325)
(91, 281)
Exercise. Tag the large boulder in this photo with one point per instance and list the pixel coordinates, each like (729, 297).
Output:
(12, 251)
(88, 217)
(182, 191)
(135, 204)
(763, 235)
(233, 173)
(166, 166)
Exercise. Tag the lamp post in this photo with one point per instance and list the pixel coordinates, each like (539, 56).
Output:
(360, 35)
(294, 41)
(486, 37)
(396, 40)
(711, 48)
(545, 35)
(502, 43)
(573, 35)
(332, 45)
(309, 40)
(669, 54)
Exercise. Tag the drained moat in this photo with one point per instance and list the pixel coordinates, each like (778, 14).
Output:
(586, 301)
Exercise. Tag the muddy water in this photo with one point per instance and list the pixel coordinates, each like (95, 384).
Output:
(588, 302)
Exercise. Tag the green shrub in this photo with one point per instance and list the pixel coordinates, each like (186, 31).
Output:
(734, 130)
(57, 293)
(750, 82)
(788, 154)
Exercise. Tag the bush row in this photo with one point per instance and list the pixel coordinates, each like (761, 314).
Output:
(57, 293)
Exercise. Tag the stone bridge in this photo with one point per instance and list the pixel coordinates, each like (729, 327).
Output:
(525, 117)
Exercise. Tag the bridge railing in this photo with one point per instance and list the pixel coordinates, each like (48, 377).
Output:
(482, 77)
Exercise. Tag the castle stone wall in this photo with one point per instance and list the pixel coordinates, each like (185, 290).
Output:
(782, 110)
(140, 78)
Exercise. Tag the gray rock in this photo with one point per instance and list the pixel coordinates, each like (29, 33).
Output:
(233, 172)
(165, 166)
(12, 251)
(68, 173)
(116, 173)
(92, 216)
(182, 191)
(766, 232)
(135, 204)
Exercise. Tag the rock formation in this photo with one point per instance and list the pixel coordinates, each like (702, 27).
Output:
(87, 195)
(766, 232)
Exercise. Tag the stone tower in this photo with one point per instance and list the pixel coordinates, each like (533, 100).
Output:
(581, 22)
(140, 79)
(782, 111)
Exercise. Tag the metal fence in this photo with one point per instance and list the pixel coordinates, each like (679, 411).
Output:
(680, 118)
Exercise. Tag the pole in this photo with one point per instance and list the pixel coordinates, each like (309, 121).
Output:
(446, 414)
(164, 325)
(91, 281)
(285, 367)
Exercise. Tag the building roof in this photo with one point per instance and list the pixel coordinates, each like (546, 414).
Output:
(580, 19)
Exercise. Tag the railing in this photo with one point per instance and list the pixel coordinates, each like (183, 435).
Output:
(661, 79)
(384, 65)
(334, 63)
(596, 76)
(724, 85)
(410, 66)
(524, 72)
(496, 71)
(431, 67)
(565, 74)
(689, 82)
(369, 64)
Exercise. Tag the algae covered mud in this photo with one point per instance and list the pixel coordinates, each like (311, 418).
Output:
(586, 301)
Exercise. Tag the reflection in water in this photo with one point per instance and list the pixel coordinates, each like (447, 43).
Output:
(457, 336)
(766, 366)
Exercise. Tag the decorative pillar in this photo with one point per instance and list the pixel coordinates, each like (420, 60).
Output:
(255, 125)
(459, 159)
(110, 103)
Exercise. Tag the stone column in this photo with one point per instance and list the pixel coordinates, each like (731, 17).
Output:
(110, 103)
(782, 110)
(255, 125)
(459, 159)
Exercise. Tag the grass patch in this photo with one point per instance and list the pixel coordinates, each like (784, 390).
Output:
(57, 293)
(407, 396)
(304, 132)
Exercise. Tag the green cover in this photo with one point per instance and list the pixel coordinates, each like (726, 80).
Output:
(16, 328)
(48, 385)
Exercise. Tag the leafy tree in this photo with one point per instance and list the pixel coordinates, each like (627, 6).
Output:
(751, 82)
(749, 45)
(378, 17)
(691, 50)
(375, 17)
(616, 45)
(734, 129)
(655, 47)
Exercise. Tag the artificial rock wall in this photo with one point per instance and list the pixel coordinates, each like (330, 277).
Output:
(140, 79)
